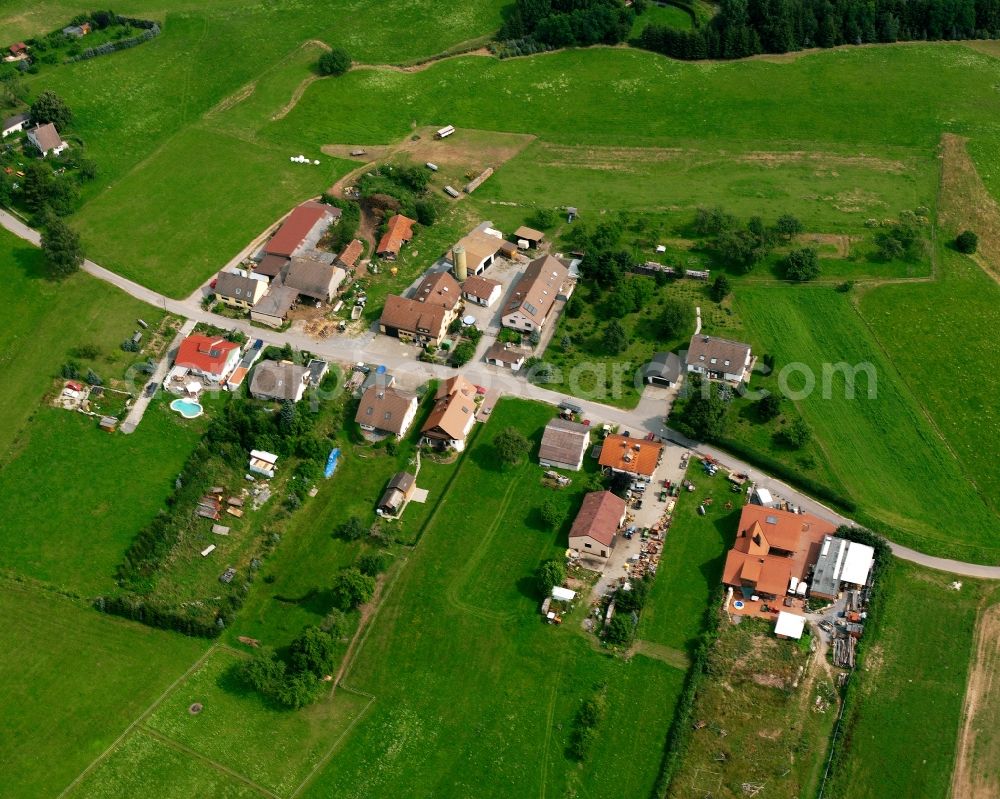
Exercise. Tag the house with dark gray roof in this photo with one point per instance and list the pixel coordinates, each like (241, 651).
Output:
(564, 444)
(719, 358)
(279, 380)
(239, 290)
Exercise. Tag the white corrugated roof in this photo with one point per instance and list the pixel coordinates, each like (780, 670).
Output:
(857, 563)
(764, 496)
(790, 625)
(563, 594)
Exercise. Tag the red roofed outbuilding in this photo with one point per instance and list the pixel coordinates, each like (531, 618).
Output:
(302, 229)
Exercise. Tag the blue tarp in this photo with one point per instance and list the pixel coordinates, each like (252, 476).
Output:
(331, 462)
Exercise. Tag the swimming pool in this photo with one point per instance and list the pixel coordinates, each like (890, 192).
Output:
(188, 408)
(738, 604)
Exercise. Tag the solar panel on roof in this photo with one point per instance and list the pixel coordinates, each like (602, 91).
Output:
(771, 519)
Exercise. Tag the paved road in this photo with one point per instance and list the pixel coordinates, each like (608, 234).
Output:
(138, 409)
(647, 416)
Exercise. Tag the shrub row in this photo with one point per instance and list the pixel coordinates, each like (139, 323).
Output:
(841, 740)
(784, 472)
(150, 30)
(679, 735)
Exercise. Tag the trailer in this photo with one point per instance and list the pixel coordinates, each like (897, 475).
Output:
(445, 132)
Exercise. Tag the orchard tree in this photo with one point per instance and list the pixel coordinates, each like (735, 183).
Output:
(552, 513)
(61, 248)
(787, 226)
(313, 652)
(50, 107)
(768, 407)
(548, 575)
(798, 434)
(511, 446)
(676, 318)
(351, 588)
(802, 265)
(720, 288)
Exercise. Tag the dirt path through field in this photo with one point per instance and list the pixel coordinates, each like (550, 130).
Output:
(965, 203)
(977, 775)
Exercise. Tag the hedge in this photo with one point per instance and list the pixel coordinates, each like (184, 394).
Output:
(679, 734)
(784, 472)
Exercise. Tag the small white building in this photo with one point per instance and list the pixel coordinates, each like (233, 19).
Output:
(789, 625)
(263, 462)
(14, 124)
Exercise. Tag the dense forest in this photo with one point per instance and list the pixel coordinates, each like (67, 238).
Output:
(567, 23)
(747, 27)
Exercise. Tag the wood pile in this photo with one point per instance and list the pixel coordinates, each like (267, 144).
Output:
(843, 651)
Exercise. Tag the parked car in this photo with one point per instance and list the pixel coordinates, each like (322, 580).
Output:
(150, 389)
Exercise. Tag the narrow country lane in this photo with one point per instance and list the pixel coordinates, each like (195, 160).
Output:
(648, 416)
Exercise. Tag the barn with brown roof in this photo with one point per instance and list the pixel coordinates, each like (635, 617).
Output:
(564, 444)
(302, 229)
(596, 525)
(530, 302)
(398, 232)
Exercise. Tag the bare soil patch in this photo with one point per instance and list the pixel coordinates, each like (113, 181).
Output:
(965, 203)
(977, 769)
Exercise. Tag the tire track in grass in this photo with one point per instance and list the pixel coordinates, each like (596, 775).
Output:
(139, 720)
(453, 594)
(194, 753)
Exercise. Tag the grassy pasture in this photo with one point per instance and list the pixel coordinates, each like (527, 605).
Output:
(912, 683)
(830, 192)
(272, 747)
(954, 322)
(75, 496)
(884, 450)
(438, 724)
(691, 565)
(645, 100)
(75, 679)
(43, 321)
(146, 766)
(134, 231)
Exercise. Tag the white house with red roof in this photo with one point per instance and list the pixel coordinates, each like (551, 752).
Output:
(212, 358)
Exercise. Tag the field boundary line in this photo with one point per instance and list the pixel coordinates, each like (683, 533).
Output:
(476, 558)
(187, 750)
(321, 763)
(139, 720)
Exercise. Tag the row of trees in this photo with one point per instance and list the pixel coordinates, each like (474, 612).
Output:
(744, 28)
(568, 23)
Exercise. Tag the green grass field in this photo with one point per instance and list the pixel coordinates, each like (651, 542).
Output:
(75, 496)
(146, 766)
(912, 683)
(43, 322)
(884, 450)
(75, 679)
(655, 14)
(691, 565)
(272, 747)
(438, 724)
(954, 322)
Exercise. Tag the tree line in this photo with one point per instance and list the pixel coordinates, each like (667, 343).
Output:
(568, 23)
(748, 27)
